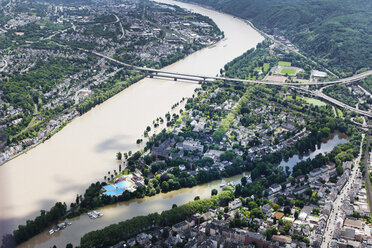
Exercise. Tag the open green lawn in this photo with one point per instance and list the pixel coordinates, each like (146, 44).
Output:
(314, 101)
(284, 63)
(266, 67)
(340, 114)
(288, 71)
(291, 97)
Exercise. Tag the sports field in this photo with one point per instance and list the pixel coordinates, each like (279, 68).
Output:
(288, 71)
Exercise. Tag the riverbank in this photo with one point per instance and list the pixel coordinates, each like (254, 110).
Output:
(82, 152)
(142, 206)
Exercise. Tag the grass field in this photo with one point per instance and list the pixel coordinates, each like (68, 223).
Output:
(288, 71)
(314, 101)
(297, 97)
(284, 63)
(266, 67)
(340, 114)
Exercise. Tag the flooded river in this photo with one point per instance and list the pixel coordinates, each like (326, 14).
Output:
(126, 210)
(85, 149)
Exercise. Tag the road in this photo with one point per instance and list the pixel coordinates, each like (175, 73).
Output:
(5, 65)
(365, 91)
(366, 174)
(331, 223)
(363, 126)
(317, 93)
(341, 104)
(30, 124)
(121, 27)
(351, 79)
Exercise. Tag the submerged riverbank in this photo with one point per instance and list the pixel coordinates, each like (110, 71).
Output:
(139, 207)
(82, 152)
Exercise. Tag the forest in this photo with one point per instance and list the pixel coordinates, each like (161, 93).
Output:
(336, 35)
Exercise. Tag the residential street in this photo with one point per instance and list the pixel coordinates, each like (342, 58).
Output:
(332, 220)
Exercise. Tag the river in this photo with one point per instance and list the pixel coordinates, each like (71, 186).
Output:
(85, 149)
(325, 146)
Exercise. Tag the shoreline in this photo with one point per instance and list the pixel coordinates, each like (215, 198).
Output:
(243, 48)
(66, 123)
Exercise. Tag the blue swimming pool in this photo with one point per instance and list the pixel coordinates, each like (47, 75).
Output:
(114, 192)
(123, 184)
(116, 189)
(109, 187)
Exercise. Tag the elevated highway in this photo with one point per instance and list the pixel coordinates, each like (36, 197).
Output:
(200, 78)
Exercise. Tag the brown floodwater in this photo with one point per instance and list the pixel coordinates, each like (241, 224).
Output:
(85, 149)
(122, 211)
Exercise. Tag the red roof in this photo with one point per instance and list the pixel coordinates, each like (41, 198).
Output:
(278, 215)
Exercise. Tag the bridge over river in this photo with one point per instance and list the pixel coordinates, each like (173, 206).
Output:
(199, 78)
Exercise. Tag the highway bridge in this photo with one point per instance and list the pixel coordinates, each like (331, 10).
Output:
(200, 78)
(321, 95)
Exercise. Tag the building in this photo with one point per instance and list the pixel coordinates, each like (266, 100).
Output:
(319, 74)
(315, 172)
(267, 210)
(237, 203)
(274, 189)
(192, 145)
(181, 226)
(281, 239)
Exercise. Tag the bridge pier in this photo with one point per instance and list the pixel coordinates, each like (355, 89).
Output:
(151, 76)
(175, 79)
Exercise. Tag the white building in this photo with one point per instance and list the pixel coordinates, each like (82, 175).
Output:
(235, 204)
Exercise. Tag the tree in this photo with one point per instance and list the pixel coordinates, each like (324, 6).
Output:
(118, 156)
(281, 200)
(214, 192)
(244, 181)
(339, 170)
(270, 232)
(287, 210)
(296, 214)
(356, 214)
(69, 245)
(197, 198)
(165, 186)
(316, 211)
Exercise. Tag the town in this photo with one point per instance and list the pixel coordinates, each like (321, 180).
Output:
(136, 34)
(318, 201)
(290, 129)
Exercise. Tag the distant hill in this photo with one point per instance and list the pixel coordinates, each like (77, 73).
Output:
(337, 33)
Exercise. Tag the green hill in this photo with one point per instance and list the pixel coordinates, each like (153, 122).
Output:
(337, 33)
